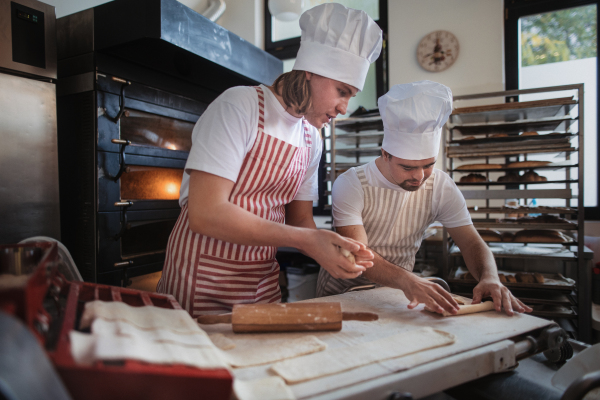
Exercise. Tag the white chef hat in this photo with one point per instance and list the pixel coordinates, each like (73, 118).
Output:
(338, 43)
(413, 115)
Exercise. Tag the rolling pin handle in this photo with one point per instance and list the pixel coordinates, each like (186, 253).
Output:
(214, 319)
(359, 316)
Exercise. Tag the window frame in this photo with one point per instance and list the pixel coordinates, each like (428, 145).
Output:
(288, 48)
(515, 9)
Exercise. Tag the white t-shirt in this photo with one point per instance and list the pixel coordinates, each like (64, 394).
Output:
(449, 206)
(226, 132)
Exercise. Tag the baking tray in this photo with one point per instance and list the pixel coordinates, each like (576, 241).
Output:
(535, 296)
(493, 224)
(514, 111)
(572, 181)
(516, 139)
(555, 282)
(522, 210)
(553, 166)
(512, 152)
(554, 125)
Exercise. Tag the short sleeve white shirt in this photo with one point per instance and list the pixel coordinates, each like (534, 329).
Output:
(448, 203)
(227, 130)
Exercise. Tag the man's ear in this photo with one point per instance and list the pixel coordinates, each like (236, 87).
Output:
(308, 75)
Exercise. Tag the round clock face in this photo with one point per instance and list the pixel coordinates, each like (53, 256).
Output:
(437, 51)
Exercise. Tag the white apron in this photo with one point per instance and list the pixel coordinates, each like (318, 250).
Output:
(394, 222)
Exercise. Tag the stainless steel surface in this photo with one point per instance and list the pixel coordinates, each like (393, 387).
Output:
(6, 49)
(29, 203)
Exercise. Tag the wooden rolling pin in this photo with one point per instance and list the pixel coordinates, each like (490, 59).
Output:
(287, 317)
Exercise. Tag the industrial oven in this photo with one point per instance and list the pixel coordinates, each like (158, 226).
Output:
(134, 77)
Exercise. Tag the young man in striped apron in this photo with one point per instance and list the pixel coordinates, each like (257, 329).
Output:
(252, 173)
(388, 204)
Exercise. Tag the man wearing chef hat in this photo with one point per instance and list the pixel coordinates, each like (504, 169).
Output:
(388, 204)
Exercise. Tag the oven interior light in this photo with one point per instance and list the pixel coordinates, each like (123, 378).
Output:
(172, 188)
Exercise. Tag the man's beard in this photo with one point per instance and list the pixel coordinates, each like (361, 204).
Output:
(411, 188)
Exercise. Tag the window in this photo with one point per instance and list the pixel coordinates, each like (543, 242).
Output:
(554, 43)
(282, 39)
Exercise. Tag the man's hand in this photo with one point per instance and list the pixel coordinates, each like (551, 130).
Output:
(500, 294)
(419, 290)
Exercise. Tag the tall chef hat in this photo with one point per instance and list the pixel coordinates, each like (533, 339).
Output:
(338, 43)
(413, 115)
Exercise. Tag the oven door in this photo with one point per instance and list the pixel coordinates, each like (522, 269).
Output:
(155, 123)
(148, 183)
(134, 242)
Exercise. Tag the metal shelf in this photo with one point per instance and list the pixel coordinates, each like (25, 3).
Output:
(522, 210)
(544, 116)
(492, 224)
(489, 183)
(553, 166)
(554, 124)
(513, 138)
(514, 111)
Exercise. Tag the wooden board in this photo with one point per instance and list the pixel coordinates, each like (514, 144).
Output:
(472, 332)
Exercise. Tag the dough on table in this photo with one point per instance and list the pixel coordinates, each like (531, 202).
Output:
(467, 309)
(146, 317)
(271, 388)
(342, 359)
(222, 341)
(249, 357)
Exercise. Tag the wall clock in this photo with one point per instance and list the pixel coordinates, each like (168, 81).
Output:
(437, 51)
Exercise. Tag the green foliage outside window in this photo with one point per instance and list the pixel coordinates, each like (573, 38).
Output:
(559, 36)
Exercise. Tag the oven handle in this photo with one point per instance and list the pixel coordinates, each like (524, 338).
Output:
(124, 206)
(122, 165)
(124, 84)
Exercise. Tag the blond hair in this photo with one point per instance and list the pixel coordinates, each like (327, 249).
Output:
(293, 87)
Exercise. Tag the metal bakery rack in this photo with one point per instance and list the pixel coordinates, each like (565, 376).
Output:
(493, 136)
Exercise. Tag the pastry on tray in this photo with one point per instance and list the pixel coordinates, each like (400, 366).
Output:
(469, 138)
(543, 219)
(499, 135)
(467, 167)
(490, 235)
(527, 164)
(502, 278)
(540, 236)
(507, 236)
(473, 178)
(510, 177)
(532, 176)
(524, 277)
(529, 133)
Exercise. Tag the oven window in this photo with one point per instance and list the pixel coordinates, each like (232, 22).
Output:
(145, 129)
(146, 237)
(150, 183)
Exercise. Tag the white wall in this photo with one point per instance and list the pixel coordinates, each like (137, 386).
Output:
(243, 17)
(478, 26)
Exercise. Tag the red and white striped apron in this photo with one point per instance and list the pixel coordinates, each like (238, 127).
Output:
(209, 276)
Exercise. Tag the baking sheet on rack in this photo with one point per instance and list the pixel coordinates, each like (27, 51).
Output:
(472, 331)
(556, 280)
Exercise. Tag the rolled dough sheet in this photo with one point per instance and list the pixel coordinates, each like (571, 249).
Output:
(271, 388)
(146, 317)
(88, 348)
(468, 309)
(102, 327)
(342, 359)
(281, 350)
(222, 341)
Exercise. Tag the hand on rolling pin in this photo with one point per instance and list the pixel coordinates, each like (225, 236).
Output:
(492, 287)
(326, 246)
(419, 290)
